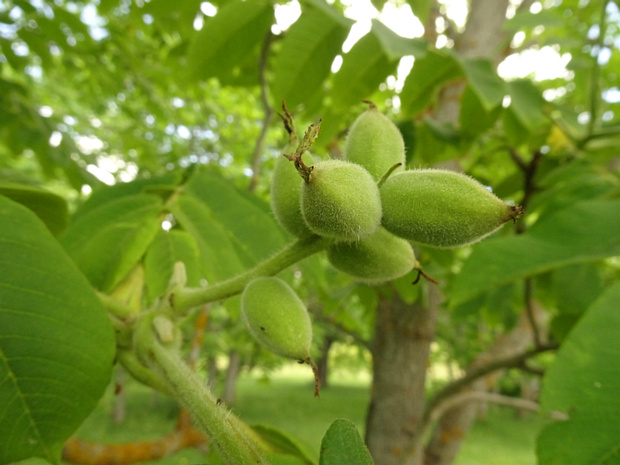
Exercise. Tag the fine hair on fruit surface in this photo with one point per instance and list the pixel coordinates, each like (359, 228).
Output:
(442, 208)
(341, 201)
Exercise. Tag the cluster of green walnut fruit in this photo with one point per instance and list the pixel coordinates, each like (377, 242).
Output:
(371, 208)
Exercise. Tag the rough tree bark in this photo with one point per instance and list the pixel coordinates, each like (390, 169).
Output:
(400, 350)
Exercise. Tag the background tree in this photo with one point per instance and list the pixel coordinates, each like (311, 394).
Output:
(142, 94)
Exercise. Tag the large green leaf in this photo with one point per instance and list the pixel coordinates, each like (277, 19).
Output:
(306, 55)
(421, 9)
(281, 442)
(218, 257)
(584, 232)
(396, 46)
(231, 38)
(484, 81)
(527, 104)
(429, 73)
(369, 62)
(571, 183)
(342, 444)
(572, 290)
(106, 242)
(167, 248)
(50, 208)
(474, 118)
(584, 383)
(56, 344)
(107, 194)
(248, 221)
(363, 69)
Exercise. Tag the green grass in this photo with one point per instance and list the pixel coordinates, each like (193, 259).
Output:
(286, 401)
(501, 439)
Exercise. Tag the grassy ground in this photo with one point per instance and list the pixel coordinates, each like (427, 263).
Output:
(286, 401)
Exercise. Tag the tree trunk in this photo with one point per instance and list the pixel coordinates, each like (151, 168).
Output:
(400, 350)
(403, 333)
(456, 422)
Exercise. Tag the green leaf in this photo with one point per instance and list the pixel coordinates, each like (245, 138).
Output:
(56, 343)
(218, 256)
(474, 118)
(363, 69)
(427, 76)
(584, 383)
(342, 444)
(515, 131)
(573, 289)
(484, 82)
(305, 58)
(167, 248)
(434, 142)
(584, 232)
(107, 241)
(395, 46)
(282, 443)
(572, 183)
(122, 189)
(232, 37)
(443, 131)
(527, 103)
(369, 63)
(528, 20)
(50, 208)
(421, 9)
(247, 220)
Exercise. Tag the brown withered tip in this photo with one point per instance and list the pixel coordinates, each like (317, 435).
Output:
(516, 211)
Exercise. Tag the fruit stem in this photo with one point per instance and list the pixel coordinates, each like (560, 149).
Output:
(317, 378)
(228, 433)
(421, 273)
(371, 104)
(387, 175)
(188, 298)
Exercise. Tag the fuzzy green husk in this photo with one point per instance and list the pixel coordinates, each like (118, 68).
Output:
(285, 191)
(375, 142)
(341, 201)
(441, 208)
(375, 259)
(277, 318)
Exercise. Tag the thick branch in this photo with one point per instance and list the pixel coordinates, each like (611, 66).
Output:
(450, 396)
(514, 402)
(515, 361)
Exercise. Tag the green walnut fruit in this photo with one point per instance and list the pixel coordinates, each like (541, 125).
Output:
(375, 142)
(277, 318)
(285, 191)
(378, 258)
(341, 201)
(441, 208)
